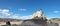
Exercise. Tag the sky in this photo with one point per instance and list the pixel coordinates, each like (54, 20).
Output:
(24, 9)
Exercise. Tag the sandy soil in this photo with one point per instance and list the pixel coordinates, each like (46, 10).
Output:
(18, 23)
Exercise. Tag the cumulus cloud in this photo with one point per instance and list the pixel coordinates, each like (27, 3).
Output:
(4, 11)
(23, 9)
(56, 11)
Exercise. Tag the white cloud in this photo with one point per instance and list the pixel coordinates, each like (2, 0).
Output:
(21, 17)
(4, 12)
(15, 17)
(26, 17)
(48, 18)
(56, 11)
(23, 9)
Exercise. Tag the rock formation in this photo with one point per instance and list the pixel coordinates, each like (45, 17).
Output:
(39, 15)
(38, 19)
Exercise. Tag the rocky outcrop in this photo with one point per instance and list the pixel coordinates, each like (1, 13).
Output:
(39, 15)
(38, 19)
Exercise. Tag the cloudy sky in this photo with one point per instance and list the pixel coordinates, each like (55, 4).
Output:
(24, 9)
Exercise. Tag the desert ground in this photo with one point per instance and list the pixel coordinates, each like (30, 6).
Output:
(17, 23)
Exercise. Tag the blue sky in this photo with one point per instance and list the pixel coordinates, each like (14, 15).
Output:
(26, 8)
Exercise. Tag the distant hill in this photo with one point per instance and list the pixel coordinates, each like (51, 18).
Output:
(8, 19)
(55, 20)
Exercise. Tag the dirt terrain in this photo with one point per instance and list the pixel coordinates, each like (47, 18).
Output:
(4, 23)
